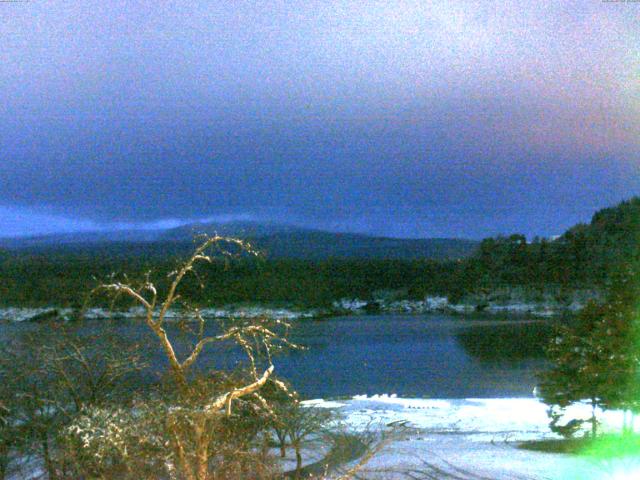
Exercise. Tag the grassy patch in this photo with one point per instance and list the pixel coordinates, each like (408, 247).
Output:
(604, 446)
(570, 446)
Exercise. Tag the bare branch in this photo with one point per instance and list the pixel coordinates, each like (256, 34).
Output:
(127, 290)
(226, 399)
(198, 255)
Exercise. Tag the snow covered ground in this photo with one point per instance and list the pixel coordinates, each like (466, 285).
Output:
(20, 314)
(344, 306)
(473, 439)
(543, 308)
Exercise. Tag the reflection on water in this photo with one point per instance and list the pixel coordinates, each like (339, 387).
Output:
(507, 343)
(421, 356)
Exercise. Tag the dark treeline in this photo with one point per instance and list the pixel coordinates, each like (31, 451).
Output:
(64, 279)
(583, 257)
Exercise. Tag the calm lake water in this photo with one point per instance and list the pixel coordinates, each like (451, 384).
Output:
(417, 356)
(436, 356)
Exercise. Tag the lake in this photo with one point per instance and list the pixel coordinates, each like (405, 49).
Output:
(437, 356)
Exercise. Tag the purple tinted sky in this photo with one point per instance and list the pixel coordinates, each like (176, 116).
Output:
(397, 118)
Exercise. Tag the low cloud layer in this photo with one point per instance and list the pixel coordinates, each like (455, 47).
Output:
(392, 118)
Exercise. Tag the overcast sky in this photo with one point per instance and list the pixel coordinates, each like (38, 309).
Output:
(394, 118)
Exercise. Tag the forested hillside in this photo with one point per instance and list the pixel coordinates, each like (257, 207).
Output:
(584, 257)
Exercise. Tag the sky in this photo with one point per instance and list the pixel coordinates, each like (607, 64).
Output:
(395, 118)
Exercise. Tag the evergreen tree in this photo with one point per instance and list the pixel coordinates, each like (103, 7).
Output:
(598, 359)
(576, 374)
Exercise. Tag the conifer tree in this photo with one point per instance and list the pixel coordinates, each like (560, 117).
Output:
(597, 360)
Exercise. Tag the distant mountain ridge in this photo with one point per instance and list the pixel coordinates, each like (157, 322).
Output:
(506, 271)
(276, 240)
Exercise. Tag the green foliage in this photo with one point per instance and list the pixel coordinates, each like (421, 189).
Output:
(598, 358)
(605, 447)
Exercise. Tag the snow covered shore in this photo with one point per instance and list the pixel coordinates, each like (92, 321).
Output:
(341, 308)
(19, 314)
(510, 301)
(473, 439)
(547, 308)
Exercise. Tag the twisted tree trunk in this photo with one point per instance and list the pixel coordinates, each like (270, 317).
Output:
(298, 460)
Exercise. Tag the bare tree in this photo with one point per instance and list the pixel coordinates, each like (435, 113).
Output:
(192, 424)
(7, 435)
(48, 377)
(302, 422)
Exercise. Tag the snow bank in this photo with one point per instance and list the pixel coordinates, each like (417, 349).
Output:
(524, 416)
(443, 305)
(473, 438)
(345, 306)
(18, 314)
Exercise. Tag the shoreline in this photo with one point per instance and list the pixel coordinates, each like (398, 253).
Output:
(343, 308)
